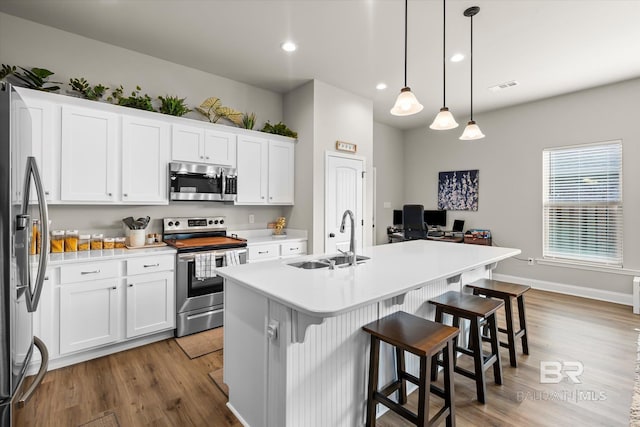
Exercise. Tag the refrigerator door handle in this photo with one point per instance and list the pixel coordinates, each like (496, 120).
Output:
(44, 365)
(33, 295)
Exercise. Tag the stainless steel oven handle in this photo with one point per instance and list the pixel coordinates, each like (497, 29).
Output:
(218, 254)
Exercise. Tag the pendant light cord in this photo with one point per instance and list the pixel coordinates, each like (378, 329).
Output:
(444, 60)
(405, 42)
(471, 60)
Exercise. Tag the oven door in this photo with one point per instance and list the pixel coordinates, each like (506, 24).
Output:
(194, 293)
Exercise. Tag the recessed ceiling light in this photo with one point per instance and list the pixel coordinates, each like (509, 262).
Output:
(457, 57)
(381, 86)
(288, 46)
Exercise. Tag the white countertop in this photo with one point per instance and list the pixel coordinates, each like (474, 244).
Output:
(262, 236)
(393, 269)
(103, 255)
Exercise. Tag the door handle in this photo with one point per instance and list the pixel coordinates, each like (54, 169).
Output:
(332, 235)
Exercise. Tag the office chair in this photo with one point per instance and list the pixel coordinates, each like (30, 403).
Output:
(413, 222)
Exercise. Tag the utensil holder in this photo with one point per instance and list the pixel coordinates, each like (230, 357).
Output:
(136, 238)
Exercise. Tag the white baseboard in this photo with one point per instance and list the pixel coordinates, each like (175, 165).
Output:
(562, 288)
(237, 414)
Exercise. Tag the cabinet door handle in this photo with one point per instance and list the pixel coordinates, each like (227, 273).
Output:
(271, 198)
(131, 285)
(91, 272)
(202, 157)
(151, 265)
(46, 193)
(109, 194)
(294, 249)
(125, 195)
(262, 252)
(262, 197)
(114, 288)
(207, 157)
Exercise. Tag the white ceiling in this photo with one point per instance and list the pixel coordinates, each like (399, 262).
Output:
(549, 46)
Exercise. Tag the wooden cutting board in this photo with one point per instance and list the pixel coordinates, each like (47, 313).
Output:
(204, 241)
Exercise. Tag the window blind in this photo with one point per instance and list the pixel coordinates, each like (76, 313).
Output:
(582, 203)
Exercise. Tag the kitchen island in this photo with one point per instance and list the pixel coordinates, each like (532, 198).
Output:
(294, 351)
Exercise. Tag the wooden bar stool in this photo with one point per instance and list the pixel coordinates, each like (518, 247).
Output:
(478, 311)
(506, 291)
(425, 339)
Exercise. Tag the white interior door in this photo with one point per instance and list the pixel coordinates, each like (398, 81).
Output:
(343, 190)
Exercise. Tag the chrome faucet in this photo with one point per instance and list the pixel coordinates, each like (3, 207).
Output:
(352, 250)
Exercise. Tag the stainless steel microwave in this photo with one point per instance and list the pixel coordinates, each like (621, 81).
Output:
(195, 181)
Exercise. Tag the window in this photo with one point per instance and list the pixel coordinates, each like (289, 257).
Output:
(582, 203)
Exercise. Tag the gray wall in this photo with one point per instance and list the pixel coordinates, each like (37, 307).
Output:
(28, 44)
(510, 164)
(388, 159)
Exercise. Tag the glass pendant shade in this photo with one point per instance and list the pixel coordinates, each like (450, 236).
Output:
(406, 103)
(444, 120)
(471, 132)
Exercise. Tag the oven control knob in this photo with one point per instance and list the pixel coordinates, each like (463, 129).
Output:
(216, 221)
(222, 221)
(210, 222)
(177, 223)
(170, 223)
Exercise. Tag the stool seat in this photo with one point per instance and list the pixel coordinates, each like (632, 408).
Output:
(479, 311)
(425, 339)
(497, 288)
(466, 304)
(414, 334)
(505, 291)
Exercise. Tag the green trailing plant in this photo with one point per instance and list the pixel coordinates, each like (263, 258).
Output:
(248, 120)
(173, 106)
(7, 70)
(34, 78)
(214, 110)
(93, 93)
(135, 100)
(279, 129)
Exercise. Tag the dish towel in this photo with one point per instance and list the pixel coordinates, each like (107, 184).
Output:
(232, 258)
(205, 265)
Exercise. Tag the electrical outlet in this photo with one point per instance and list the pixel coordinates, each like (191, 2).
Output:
(531, 261)
(252, 218)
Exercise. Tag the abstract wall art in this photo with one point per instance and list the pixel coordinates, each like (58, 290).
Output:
(458, 190)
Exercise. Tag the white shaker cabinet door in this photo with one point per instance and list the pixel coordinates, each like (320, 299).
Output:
(150, 303)
(253, 163)
(281, 172)
(220, 148)
(187, 144)
(89, 315)
(145, 157)
(88, 158)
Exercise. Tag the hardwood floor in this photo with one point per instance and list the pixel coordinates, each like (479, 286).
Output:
(159, 385)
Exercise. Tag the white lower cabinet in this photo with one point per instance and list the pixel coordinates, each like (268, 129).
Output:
(89, 307)
(269, 251)
(150, 303)
(89, 314)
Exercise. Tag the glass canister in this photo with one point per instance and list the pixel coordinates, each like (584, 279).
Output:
(96, 242)
(84, 242)
(108, 243)
(35, 237)
(57, 241)
(71, 241)
(119, 242)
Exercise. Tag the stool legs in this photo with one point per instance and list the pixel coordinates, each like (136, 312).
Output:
(475, 337)
(424, 391)
(523, 324)
(511, 335)
(374, 358)
(495, 348)
(400, 368)
(448, 356)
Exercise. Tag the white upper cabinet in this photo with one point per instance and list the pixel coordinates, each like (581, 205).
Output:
(253, 163)
(281, 172)
(88, 158)
(197, 145)
(265, 171)
(145, 155)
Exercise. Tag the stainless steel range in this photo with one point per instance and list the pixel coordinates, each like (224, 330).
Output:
(202, 245)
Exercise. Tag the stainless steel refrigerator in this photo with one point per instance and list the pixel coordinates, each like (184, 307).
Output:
(21, 274)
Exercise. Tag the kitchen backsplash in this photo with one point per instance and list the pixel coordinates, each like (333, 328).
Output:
(108, 219)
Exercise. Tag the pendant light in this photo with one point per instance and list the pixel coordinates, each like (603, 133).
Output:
(406, 103)
(472, 131)
(444, 120)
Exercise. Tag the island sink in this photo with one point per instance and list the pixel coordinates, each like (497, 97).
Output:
(340, 261)
(310, 265)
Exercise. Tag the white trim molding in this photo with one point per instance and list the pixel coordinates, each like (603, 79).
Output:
(563, 288)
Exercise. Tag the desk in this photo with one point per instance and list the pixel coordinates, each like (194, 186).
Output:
(399, 237)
